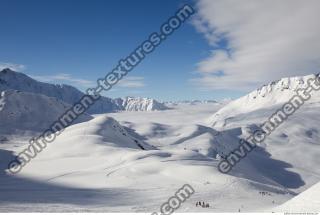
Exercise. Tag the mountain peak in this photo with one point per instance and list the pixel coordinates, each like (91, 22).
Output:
(268, 96)
(18, 81)
(7, 70)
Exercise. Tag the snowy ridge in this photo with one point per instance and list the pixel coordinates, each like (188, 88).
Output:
(70, 95)
(148, 155)
(19, 81)
(140, 104)
(272, 94)
(100, 131)
(297, 137)
(192, 102)
(29, 111)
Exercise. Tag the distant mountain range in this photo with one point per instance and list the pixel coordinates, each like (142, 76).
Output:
(11, 80)
(272, 94)
(191, 102)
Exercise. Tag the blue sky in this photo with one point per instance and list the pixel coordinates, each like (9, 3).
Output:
(70, 41)
(224, 52)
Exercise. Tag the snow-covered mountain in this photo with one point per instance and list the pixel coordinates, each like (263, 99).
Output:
(296, 139)
(150, 154)
(30, 111)
(102, 160)
(140, 104)
(70, 95)
(191, 102)
(269, 95)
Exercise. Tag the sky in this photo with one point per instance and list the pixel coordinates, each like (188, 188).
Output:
(225, 51)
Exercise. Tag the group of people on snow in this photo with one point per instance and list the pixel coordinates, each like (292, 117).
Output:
(202, 204)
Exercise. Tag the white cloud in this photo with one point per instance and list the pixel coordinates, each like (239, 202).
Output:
(131, 82)
(64, 78)
(267, 40)
(12, 66)
(126, 82)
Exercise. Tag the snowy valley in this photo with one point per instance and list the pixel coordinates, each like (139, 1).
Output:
(134, 153)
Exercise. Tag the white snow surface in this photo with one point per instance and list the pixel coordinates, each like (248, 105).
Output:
(308, 201)
(18, 81)
(140, 104)
(93, 166)
(134, 161)
(21, 111)
(298, 137)
(267, 96)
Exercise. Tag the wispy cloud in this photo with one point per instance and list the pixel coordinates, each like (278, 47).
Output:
(132, 82)
(127, 82)
(266, 40)
(64, 77)
(12, 66)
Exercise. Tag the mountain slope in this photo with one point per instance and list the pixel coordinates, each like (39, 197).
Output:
(140, 104)
(19, 81)
(95, 165)
(101, 138)
(269, 95)
(94, 159)
(279, 156)
(29, 111)
(70, 95)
